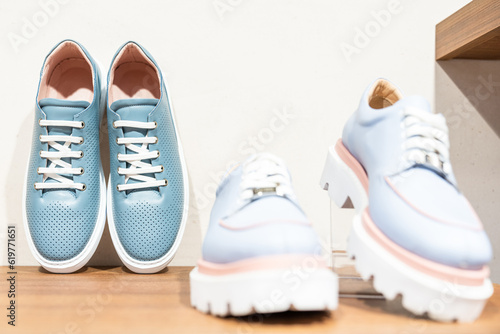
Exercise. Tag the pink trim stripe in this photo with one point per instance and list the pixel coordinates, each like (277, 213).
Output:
(351, 161)
(309, 261)
(437, 270)
(261, 223)
(422, 212)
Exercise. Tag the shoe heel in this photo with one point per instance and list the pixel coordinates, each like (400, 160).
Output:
(341, 182)
(330, 180)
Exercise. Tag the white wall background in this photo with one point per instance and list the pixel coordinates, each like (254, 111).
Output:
(232, 67)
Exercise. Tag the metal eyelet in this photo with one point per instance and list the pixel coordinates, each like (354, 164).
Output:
(114, 126)
(40, 137)
(82, 124)
(156, 125)
(82, 170)
(38, 170)
(117, 140)
(81, 141)
(39, 120)
(157, 154)
(118, 170)
(84, 187)
(156, 140)
(81, 155)
(166, 182)
(34, 186)
(40, 153)
(162, 169)
(117, 188)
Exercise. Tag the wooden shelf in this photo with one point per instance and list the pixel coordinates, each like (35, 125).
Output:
(113, 300)
(472, 32)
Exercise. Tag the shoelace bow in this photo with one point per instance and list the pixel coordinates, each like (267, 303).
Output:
(265, 173)
(426, 140)
(55, 157)
(138, 167)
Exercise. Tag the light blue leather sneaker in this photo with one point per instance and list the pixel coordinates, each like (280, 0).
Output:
(414, 231)
(148, 184)
(64, 202)
(260, 253)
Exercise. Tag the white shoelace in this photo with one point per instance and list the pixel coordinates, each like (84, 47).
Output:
(265, 173)
(426, 140)
(137, 166)
(55, 157)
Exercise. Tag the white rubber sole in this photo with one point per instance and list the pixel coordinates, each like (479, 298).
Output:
(421, 293)
(76, 263)
(264, 291)
(342, 183)
(441, 300)
(150, 267)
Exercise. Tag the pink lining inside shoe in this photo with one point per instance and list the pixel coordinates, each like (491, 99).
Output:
(67, 74)
(133, 76)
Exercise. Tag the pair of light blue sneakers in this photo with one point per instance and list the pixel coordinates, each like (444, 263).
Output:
(415, 233)
(65, 198)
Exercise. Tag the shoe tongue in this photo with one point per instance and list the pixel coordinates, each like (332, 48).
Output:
(134, 110)
(415, 101)
(61, 110)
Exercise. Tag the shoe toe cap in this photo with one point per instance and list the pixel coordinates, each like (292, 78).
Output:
(441, 228)
(147, 232)
(59, 232)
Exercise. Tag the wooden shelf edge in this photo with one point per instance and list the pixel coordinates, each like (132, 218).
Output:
(468, 28)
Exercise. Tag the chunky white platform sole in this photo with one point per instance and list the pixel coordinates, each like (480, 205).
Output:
(442, 300)
(342, 183)
(264, 291)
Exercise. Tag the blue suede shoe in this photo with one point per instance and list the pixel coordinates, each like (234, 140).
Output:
(260, 253)
(415, 232)
(64, 202)
(148, 184)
